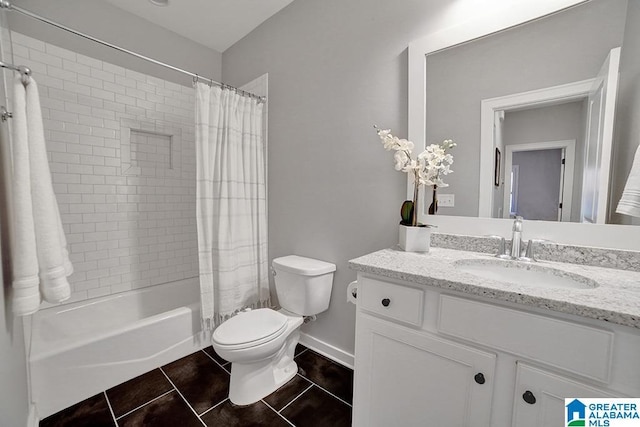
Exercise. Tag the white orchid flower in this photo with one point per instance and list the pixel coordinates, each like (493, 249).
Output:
(405, 145)
(410, 166)
(429, 166)
(401, 159)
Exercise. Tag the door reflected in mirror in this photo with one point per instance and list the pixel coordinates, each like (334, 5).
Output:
(534, 184)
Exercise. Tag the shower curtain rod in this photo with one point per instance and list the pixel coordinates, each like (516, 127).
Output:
(5, 4)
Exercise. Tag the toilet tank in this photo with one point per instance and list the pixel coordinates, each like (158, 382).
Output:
(303, 285)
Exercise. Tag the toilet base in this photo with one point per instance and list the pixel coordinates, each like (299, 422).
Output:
(251, 382)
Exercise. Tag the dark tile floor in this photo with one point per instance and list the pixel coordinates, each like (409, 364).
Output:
(193, 391)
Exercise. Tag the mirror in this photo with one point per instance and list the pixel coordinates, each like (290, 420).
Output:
(533, 109)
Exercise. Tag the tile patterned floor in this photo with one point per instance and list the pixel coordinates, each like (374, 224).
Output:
(193, 391)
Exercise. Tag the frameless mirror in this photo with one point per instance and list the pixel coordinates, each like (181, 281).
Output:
(538, 112)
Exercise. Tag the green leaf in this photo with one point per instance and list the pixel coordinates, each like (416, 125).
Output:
(406, 212)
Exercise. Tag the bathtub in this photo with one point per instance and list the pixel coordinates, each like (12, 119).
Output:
(80, 349)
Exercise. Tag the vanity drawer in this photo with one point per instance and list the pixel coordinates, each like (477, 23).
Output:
(573, 347)
(402, 303)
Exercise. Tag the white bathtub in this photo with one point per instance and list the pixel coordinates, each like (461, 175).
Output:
(80, 349)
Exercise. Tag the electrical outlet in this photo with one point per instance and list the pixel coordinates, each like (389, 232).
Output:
(446, 200)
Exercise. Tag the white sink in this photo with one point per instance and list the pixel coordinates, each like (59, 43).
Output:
(524, 273)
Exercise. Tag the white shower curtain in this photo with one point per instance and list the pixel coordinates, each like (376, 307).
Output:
(230, 203)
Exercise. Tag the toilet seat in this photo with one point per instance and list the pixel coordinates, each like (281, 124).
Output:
(249, 329)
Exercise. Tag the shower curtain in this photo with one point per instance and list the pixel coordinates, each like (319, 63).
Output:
(230, 203)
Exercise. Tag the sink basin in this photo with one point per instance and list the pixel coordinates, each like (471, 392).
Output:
(523, 273)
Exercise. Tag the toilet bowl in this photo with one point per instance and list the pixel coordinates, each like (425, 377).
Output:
(260, 365)
(260, 344)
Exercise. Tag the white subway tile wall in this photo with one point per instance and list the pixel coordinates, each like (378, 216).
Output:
(124, 230)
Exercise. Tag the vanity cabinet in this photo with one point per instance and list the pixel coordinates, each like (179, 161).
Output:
(539, 396)
(428, 356)
(409, 378)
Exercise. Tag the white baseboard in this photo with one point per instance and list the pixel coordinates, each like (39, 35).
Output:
(33, 420)
(334, 353)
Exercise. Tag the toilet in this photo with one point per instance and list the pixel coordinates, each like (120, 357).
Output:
(260, 344)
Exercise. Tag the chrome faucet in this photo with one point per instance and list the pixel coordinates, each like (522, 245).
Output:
(517, 252)
(502, 247)
(516, 238)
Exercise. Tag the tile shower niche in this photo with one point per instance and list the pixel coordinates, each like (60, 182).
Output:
(148, 149)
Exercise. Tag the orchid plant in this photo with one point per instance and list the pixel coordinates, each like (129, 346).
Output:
(427, 168)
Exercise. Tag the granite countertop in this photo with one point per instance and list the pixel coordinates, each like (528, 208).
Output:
(616, 299)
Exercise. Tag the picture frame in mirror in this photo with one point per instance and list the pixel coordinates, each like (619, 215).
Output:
(497, 165)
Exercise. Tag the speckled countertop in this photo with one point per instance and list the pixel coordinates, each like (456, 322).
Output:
(615, 299)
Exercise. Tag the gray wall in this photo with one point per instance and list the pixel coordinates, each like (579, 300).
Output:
(104, 21)
(335, 68)
(542, 54)
(538, 184)
(553, 123)
(627, 135)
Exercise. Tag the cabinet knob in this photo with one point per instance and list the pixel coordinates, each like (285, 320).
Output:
(386, 302)
(479, 377)
(529, 397)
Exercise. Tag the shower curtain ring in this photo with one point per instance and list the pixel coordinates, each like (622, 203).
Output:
(25, 73)
(195, 79)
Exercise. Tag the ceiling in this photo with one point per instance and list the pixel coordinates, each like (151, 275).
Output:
(217, 24)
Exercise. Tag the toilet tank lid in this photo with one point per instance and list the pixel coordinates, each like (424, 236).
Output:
(303, 266)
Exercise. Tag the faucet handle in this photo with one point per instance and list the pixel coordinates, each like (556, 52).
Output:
(502, 246)
(502, 250)
(528, 255)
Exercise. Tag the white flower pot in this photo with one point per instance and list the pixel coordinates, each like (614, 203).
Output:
(415, 239)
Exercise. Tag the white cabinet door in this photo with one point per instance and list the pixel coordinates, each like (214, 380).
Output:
(539, 396)
(405, 377)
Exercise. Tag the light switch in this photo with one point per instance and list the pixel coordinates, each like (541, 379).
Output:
(446, 200)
